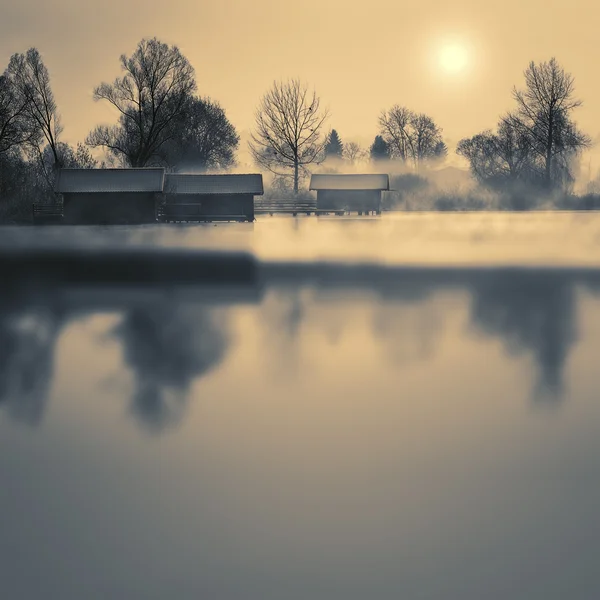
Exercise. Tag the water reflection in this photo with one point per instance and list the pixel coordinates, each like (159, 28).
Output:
(408, 332)
(167, 343)
(167, 347)
(531, 313)
(397, 457)
(27, 339)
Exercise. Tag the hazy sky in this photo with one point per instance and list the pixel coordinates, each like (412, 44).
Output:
(361, 56)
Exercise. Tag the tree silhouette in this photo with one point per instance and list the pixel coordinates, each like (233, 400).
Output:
(152, 98)
(206, 138)
(499, 158)
(379, 149)
(353, 152)
(334, 147)
(32, 91)
(544, 110)
(14, 131)
(288, 130)
(411, 137)
(535, 144)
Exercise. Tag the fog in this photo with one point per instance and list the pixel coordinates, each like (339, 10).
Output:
(337, 424)
(526, 239)
(170, 286)
(333, 408)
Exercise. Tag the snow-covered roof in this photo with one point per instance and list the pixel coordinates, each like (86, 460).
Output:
(323, 181)
(111, 180)
(178, 183)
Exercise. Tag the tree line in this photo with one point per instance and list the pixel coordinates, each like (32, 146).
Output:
(161, 120)
(288, 135)
(537, 143)
(535, 146)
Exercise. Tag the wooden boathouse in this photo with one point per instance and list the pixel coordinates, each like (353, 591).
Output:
(349, 192)
(110, 196)
(190, 197)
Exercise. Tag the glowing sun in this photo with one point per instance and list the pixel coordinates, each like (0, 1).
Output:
(453, 58)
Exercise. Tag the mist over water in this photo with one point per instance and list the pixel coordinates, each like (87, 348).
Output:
(396, 407)
(504, 238)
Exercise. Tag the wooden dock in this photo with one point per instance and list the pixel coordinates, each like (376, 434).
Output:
(182, 213)
(190, 213)
(47, 213)
(268, 206)
(295, 207)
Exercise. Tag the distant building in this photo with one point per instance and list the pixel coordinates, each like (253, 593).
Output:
(210, 197)
(110, 196)
(349, 193)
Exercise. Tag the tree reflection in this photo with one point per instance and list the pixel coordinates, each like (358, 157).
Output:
(408, 332)
(168, 344)
(167, 347)
(530, 313)
(27, 342)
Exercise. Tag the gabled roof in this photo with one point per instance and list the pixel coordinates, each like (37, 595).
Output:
(111, 180)
(178, 183)
(324, 181)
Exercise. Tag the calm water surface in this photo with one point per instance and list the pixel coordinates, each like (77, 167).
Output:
(420, 434)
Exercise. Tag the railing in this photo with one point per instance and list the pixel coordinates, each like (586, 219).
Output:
(47, 213)
(183, 213)
(284, 206)
(295, 207)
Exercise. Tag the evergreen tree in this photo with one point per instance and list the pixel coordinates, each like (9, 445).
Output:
(334, 147)
(440, 151)
(379, 149)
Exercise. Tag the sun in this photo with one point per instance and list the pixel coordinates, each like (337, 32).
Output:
(453, 58)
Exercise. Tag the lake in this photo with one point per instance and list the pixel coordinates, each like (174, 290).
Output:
(398, 407)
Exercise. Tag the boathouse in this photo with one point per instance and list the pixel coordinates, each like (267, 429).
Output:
(191, 197)
(349, 193)
(110, 196)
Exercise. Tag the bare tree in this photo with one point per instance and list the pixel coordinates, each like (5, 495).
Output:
(481, 152)
(411, 136)
(353, 152)
(288, 130)
(79, 157)
(83, 158)
(151, 98)
(13, 124)
(395, 128)
(543, 113)
(503, 157)
(427, 139)
(31, 83)
(515, 147)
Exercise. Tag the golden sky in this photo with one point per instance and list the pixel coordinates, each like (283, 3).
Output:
(361, 56)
